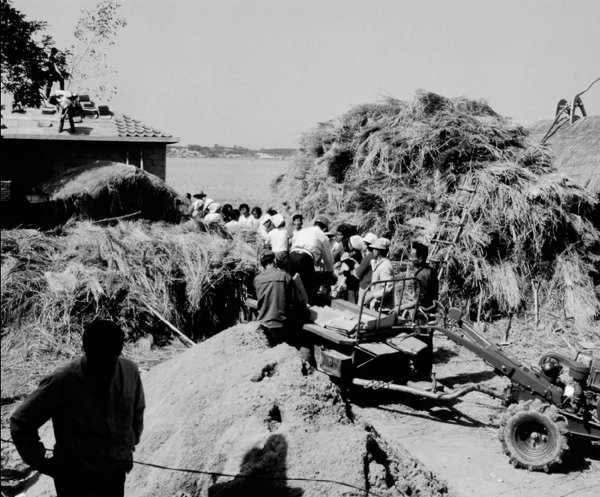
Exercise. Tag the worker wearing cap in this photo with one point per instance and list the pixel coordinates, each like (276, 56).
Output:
(214, 214)
(198, 203)
(381, 295)
(311, 247)
(278, 240)
(364, 271)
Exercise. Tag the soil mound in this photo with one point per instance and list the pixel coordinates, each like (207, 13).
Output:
(233, 405)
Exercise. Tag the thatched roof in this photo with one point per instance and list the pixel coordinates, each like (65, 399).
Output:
(576, 147)
(107, 189)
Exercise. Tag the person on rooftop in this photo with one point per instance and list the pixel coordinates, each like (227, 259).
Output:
(54, 71)
(67, 104)
(96, 404)
(310, 248)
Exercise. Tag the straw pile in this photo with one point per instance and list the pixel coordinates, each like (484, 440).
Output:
(107, 189)
(396, 169)
(135, 273)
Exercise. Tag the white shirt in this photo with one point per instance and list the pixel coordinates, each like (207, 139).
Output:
(246, 222)
(278, 238)
(316, 242)
(233, 225)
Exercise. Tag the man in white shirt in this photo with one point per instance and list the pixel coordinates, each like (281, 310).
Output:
(278, 239)
(311, 247)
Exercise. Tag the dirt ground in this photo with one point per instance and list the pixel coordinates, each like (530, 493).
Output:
(236, 406)
(458, 440)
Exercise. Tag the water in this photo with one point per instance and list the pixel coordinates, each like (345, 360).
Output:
(231, 181)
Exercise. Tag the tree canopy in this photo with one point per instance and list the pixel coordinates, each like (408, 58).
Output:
(24, 59)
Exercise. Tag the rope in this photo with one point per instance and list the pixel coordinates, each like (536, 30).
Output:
(593, 83)
(246, 477)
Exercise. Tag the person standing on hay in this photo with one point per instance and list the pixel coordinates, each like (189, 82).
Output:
(96, 404)
(311, 248)
(381, 296)
(428, 294)
(280, 309)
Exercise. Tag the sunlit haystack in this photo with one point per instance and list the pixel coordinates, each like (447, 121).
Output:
(106, 189)
(396, 168)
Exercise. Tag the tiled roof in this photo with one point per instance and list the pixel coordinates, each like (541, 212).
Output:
(128, 126)
(99, 124)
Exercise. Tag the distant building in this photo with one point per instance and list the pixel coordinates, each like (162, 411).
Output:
(33, 151)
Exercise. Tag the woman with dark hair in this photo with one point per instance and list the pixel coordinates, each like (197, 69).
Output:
(245, 217)
(226, 212)
(256, 216)
(342, 235)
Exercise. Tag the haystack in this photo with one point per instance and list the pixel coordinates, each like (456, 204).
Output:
(147, 277)
(396, 168)
(576, 148)
(105, 189)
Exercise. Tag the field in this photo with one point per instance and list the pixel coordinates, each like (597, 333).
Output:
(231, 181)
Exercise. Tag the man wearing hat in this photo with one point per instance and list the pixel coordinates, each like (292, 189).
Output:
(364, 271)
(381, 295)
(278, 239)
(311, 246)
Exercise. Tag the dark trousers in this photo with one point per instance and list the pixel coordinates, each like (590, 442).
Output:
(52, 77)
(78, 485)
(67, 113)
(294, 336)
(302, 264)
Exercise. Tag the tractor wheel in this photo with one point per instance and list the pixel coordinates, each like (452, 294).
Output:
(533, 435)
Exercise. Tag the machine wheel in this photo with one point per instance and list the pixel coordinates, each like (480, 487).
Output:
(533, 435)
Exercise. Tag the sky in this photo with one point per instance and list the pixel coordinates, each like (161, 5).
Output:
(259, 73)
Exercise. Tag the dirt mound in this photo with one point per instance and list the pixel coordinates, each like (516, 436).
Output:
(233, 405)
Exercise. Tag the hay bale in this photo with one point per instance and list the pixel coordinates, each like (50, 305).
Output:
(105, 189)
(396, 168)
(52, 285)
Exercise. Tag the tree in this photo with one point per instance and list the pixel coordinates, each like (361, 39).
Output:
(24, 60)
(95, 33)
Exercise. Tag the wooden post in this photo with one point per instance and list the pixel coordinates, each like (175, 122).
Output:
(535, 284)
(480, 305)
(510, 316)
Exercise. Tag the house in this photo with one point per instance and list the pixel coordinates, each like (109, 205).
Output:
(33, 151)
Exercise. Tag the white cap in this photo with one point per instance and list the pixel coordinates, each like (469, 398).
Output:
(278, 220)
(370, 238)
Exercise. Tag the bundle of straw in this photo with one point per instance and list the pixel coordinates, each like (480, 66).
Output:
(138, 274)
(395, 168)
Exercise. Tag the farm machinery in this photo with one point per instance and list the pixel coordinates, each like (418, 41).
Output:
(371, 349)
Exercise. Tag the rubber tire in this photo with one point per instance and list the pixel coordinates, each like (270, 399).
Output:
(523, 418)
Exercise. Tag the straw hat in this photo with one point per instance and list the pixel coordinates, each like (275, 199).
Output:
(370, 238)
(357, 243)
(200, 194)
(381, 244)
(322, 220)
(207, 202)
(214, 207)
(278, 220)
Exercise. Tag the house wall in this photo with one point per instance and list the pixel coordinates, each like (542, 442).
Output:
(28, 162)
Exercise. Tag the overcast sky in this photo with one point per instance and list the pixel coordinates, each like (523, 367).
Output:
(257, 73)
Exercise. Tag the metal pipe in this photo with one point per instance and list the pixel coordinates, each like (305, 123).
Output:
(453, 394)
